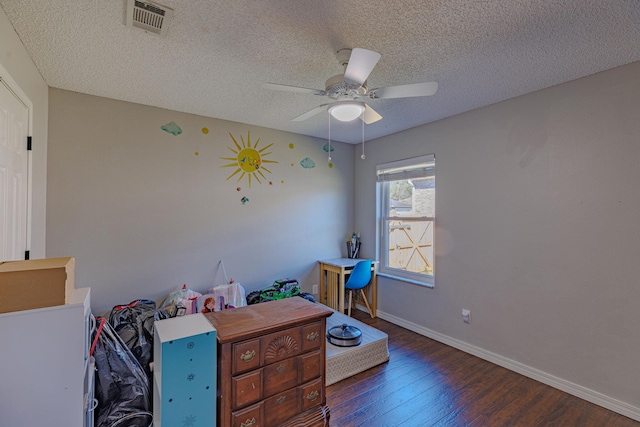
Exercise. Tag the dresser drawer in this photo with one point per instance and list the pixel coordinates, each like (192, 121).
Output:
(248, 417)
(281, 407)
(281, 345)
(246, 356)
(311, 394)
(280, 376)
(246, 389)
(310, 366)
(312, 336)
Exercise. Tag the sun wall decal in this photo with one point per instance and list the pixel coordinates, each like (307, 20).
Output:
(249, 160)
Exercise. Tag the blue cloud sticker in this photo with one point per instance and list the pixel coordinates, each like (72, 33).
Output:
(171, 128)
(307, 163)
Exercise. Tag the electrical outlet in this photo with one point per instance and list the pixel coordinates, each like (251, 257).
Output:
(314, 289)
(466, 315)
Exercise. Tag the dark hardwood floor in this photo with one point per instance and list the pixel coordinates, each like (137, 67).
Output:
(427, 383)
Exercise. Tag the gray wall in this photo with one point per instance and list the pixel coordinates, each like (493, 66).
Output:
(143, 214)
(537, 233)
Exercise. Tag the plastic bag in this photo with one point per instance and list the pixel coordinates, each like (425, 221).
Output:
(230, 294)
(185, 299)
(121, 385)
(227, 296)
(134, 325)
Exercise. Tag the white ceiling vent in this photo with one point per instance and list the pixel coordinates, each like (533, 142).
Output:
(148, 16)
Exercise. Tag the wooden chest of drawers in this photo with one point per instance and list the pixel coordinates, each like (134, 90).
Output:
(271, 364)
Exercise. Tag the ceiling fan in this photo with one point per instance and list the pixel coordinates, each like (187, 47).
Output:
(349, 91)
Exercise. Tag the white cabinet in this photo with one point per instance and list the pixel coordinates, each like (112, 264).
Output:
(46, 372)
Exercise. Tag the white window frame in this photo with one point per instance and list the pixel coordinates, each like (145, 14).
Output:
(416, 167)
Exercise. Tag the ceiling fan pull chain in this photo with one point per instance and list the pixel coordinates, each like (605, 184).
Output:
(363, 156)
(329, 145)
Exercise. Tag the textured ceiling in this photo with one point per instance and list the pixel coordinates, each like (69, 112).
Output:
(217, 54)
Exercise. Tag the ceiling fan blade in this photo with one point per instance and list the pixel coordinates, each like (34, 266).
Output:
(370, 115)
(405, 91)
(361, 63)
(287, 88)
(310, 113)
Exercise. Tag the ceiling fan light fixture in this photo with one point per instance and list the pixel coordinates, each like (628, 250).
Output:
(346, 111)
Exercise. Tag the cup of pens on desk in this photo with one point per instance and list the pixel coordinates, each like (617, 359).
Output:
(353, 246)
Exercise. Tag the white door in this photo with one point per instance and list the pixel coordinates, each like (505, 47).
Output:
(14, 126)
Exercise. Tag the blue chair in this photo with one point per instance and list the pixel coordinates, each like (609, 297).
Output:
(359, 278)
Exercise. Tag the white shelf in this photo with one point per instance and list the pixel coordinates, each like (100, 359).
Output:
(44, 362)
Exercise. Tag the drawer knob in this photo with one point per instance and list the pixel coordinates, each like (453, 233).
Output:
(281, 368)
(313, 396)
(249, 423)
(312, 336)
(248, 356)
(281, 399)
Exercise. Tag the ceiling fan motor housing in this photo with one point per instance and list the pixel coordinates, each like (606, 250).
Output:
(337, 88)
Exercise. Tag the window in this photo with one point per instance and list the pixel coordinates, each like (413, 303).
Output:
(406, 218)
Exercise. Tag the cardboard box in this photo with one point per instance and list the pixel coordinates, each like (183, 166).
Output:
(37, 283)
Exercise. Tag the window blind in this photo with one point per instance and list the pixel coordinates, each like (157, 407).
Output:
(416, 167)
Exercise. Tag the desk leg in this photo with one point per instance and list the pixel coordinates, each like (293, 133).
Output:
(322, 286)
(374, 292)
(341, 293)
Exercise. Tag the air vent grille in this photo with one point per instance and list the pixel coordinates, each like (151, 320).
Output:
(150, 17)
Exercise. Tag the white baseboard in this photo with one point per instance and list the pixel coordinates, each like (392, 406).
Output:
(587, 394)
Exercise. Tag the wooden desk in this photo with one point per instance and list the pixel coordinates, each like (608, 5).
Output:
(333, 274)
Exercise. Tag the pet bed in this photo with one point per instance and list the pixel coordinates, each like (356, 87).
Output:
(343, 362)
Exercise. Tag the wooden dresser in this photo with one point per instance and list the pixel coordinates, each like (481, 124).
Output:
(271, 364)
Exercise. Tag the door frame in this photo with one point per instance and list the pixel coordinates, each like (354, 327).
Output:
(12, 85)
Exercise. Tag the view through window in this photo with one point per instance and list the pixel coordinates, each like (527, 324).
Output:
(406, 196)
